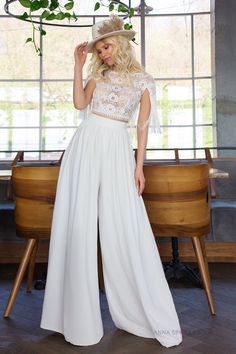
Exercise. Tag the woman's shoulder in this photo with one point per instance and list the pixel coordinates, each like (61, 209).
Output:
(143, 80)
(142, 74)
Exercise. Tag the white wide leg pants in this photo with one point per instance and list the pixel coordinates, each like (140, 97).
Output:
(96, 183)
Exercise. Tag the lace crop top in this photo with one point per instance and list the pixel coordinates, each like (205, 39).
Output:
(118, 99)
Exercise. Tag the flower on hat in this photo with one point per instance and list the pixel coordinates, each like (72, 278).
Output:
(113, 24)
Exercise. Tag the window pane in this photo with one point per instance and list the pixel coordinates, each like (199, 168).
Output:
(50, 155)
(203, 99)
(200, 154)
(7, 156)
(58, 50)
(202, 45)
(175, 6)
(174, 100)
(168, 53)
(161, 154)
(6, 139)
(56, 139)
(154, 139)
(32, 155)
(19, 104)
(39, 155)
(2, 12)
(170, 137)
(87, 8)
(176, 137)
(204, 137)
(18, 60)
(186, 154)
(58, 109)
(137, 44)
(19, 139)
(170, 154)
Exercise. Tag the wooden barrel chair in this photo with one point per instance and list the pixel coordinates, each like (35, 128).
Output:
(35, 189)
(176, 199)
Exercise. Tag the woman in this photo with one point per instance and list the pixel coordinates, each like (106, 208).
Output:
(99, 181)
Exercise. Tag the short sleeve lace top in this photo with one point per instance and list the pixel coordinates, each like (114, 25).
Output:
(119, 98)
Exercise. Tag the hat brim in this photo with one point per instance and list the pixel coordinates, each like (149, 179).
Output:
(127, 33)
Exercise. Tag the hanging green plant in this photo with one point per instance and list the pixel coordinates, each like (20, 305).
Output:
(51, 10)
(54, 10)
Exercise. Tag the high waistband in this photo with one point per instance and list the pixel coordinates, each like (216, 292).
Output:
(104, 121)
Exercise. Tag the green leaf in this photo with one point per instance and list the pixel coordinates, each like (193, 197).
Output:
(69, 5)
(121, 8)
(97, 5)
(44, 3)
(126, 26)
(60, 16)
(25, 3)
(45, 14)
(131, 13)
(28, 40)
(43, 33)
(67, 15)
(35, 5)
(51, 17)
(111, 6)
(23, 17)
(53, 5)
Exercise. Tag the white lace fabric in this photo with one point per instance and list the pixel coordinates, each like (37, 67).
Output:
(118, 99)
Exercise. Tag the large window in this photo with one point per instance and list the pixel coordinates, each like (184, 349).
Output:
(36, 110)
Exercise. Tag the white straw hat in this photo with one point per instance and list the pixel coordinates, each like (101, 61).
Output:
(107, 28)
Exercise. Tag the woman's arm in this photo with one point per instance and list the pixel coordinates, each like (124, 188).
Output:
(81, 96)
(142, 135)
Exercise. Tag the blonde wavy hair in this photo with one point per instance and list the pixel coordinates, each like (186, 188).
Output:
(123, 55)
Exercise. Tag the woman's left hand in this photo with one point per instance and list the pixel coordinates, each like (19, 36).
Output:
(139, 180)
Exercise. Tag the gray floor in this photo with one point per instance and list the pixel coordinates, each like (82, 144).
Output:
(202, 333)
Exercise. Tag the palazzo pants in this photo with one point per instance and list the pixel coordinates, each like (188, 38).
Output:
(96, 186)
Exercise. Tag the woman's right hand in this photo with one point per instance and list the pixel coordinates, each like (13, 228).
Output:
(80, 53)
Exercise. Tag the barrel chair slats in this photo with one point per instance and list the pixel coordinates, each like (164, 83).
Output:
(35, 190)
(176, 199)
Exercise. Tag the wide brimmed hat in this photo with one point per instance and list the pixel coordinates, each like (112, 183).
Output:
(107, 28)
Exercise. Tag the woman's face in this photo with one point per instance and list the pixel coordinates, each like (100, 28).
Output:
(104, 51)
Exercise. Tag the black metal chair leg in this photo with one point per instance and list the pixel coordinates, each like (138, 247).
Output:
(177, 270)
